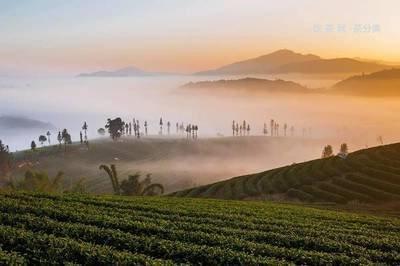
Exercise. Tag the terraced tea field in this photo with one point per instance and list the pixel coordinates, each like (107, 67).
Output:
(370, 175)
(108, 230)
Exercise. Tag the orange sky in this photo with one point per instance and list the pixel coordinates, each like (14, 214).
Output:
(187, 36)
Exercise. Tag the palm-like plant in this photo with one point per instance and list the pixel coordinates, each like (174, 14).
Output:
(132, 186)
(113, 175)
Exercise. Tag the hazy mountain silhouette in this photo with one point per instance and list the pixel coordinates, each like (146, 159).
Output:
(382, 83)
(14, 123)
(327, 66)
(286, 61)
(250, 85)
(262, 64)
(123, 72)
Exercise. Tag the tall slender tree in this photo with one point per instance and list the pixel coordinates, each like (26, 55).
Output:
(272, 124)
(85, 128)
(48, 137)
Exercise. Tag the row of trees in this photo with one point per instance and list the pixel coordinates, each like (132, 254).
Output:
(241, 129)
(117, 127)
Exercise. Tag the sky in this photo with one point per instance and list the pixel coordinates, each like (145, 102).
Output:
(55, 37)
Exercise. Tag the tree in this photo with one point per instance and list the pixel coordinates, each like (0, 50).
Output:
(85, 128)
(80, 136)
(344, 149)
(42, 139)
(265, 130)
(66, 138)
(132, 186)
(59, 138)
(168, 127)
(5, 159)
(161, 126)
(48, 137)
(248, 129)
(272, 124)
(380, 140)
(101, 131)
(115, 127)
(33, 145)
(145, 127)
(233, 128)
(285, 129)
(327, 152)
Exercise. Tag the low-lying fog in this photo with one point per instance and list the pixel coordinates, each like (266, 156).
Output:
(66, 103)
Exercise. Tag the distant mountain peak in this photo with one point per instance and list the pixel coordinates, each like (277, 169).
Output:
(129, 71)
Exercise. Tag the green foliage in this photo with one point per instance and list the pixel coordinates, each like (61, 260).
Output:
(132, 186)
(5, 159)
(115, 127)
(38, 228)
(38, 181)
(41, 182)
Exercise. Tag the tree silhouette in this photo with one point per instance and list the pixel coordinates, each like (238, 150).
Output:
(161, 126)
(284, 129)
(80, 136)
(5, 159)
(265, 131)
(131, 186)
(115, 127)
(48, 137)
(66, 138)
(168, 127)
(101, 131)
(59, 138)
(177, 127)
(327, 152)
(33, 145)
(145, 127)
(248, 129)
(85, 128)
(272, 124)
(42, 139)
(130, 128)
(233, 128)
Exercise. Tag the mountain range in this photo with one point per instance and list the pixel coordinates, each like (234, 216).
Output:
(250, 84)
(283, 61)
(124, 72)
(10, 123)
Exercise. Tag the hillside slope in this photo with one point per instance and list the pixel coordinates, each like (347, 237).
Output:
(250, 85)
(175, 162)
(370, 175)
(381, 83)
(43, 229)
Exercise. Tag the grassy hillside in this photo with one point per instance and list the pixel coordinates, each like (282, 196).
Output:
(370, 175)
(151, 230)
(175, 162)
